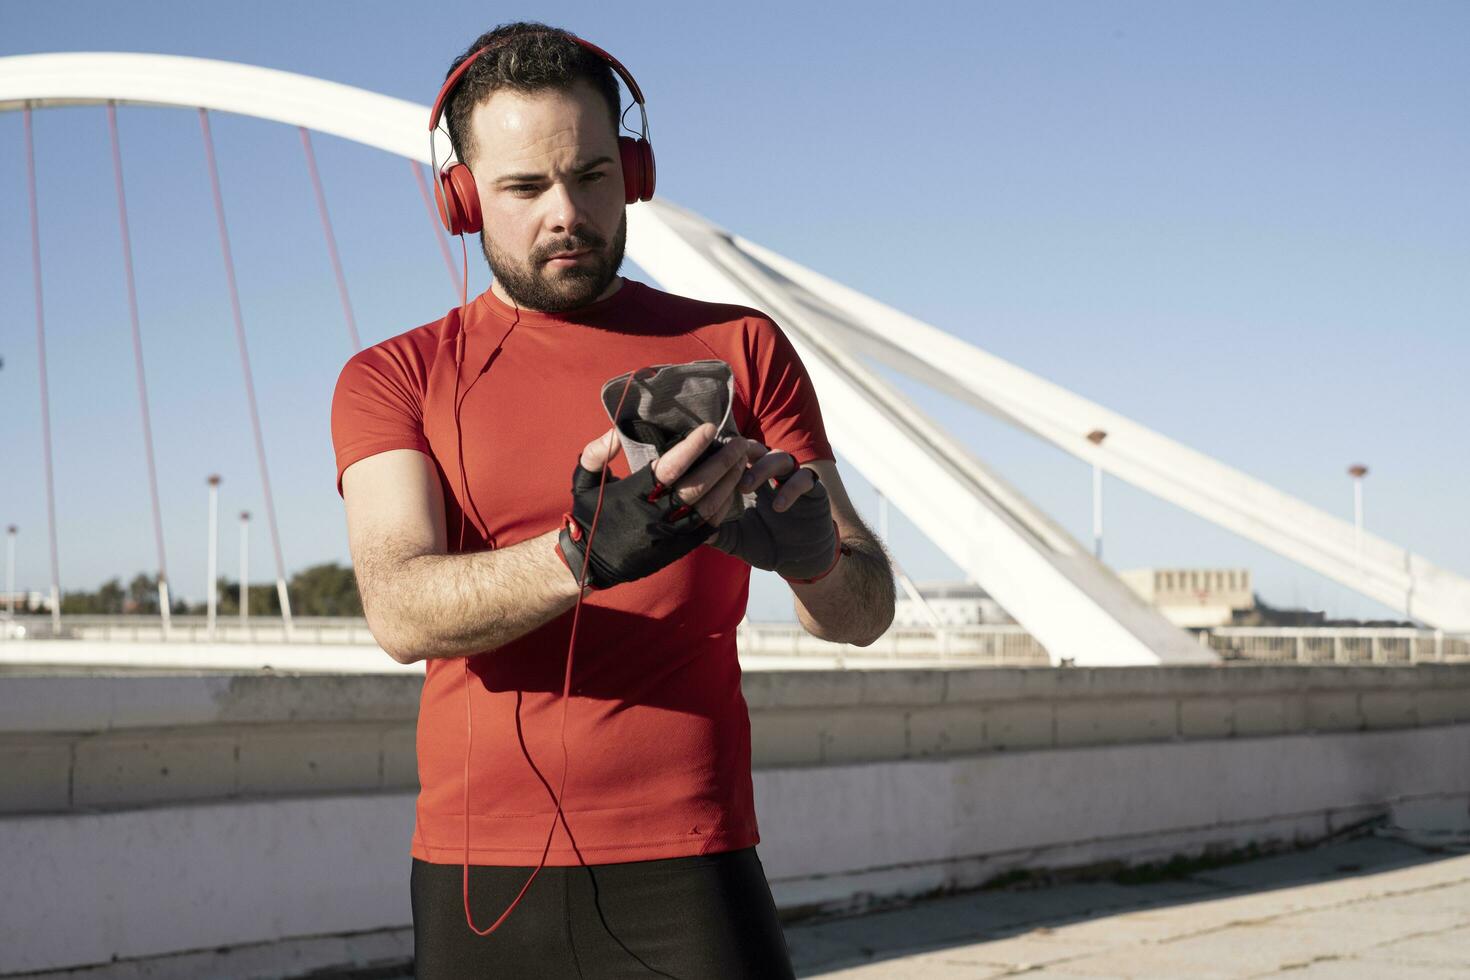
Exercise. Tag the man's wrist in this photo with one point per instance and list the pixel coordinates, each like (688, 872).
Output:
(840, 548)
(569, 550)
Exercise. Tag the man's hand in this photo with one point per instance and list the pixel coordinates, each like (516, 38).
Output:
(708, 487)
(655, 516)
(790, 530)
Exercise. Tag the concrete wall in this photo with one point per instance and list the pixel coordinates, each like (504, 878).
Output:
(145, 815)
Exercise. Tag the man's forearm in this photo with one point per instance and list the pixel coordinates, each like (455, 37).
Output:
(455, 605)
(854, 602)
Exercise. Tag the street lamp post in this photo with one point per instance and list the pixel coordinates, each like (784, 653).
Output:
(1096, 437)
(244, 567)
(211, 590)
(1357, 471)
(10, 571)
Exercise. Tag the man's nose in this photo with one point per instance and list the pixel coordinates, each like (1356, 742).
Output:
(566, 213)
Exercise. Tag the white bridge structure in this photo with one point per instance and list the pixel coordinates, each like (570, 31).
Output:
(1065, 598)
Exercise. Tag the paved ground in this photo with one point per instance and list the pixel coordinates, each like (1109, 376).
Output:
(1376, 908)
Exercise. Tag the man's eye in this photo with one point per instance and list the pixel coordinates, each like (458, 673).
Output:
(523, 189)
(594, 176)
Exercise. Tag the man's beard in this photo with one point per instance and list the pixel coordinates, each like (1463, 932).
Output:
(531, 288)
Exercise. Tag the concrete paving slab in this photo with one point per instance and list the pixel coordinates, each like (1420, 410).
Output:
(1433, 897)
(897, 932)
(1431, 947)
(1317, 863)
(1130, 928)
(1362, 970)
(1268, 947)
(1368, 908)
(1147, 963)
(1181, 920)
(1029, 950)
(811, 949)
(991, 914)
(1370, 920)
(934, 967)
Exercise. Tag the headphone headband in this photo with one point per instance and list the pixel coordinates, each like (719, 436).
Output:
(455, 190)
(453, 80)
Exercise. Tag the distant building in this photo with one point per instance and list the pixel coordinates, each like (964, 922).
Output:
(1194, 596)
(25, 601)
(954, 603)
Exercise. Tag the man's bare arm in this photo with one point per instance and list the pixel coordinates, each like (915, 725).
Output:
(422, 603)
(853, 603)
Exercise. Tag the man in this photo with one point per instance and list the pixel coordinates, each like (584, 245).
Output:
(454, 444)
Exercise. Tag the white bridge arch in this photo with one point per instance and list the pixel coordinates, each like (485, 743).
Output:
(1071, 603)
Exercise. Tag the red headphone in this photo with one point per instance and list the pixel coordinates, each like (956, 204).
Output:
(455, 190)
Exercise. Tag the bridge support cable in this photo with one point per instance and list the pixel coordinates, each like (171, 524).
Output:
(265, 479)
(909, 587)
(127, 251)
(41, 365)
(438, 226)
(321, 207)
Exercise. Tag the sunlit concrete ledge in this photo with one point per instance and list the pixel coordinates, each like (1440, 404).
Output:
(91, 742)
(213, 811)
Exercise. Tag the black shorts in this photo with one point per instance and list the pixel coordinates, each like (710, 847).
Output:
(708, 917)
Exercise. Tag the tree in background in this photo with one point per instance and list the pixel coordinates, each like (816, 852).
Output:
(263, 599)
(108, 600)
(328, 589)
(325, 590)
(142, 595)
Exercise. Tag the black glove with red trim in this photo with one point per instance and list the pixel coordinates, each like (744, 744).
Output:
(642, 528)
(799, 544)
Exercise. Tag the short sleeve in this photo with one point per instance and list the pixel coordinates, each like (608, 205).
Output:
(377, 406)
(782, 398)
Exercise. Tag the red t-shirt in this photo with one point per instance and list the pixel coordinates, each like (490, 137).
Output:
(658, 734)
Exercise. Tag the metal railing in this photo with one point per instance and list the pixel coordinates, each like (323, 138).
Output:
(1340, 645)
(997, 644)
(338, 630)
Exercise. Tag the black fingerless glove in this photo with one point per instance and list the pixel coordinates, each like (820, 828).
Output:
(799, 544)
(642, 528)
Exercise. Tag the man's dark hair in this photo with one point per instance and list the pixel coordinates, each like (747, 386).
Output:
(526, 57)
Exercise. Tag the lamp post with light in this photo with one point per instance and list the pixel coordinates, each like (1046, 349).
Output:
(10, 571)
(1357, 471)
(211, 591)
(244, 567)
(1096, 437)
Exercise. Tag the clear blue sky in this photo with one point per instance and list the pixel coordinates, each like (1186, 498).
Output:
(1244, 225)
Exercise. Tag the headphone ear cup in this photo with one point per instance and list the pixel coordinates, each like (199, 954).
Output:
(650, 172)
(638, 169)
(459, 200)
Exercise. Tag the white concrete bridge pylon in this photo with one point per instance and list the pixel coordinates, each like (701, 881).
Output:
(1077, 608)
(1150, 461)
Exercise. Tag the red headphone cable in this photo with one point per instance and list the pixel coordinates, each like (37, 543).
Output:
(566, 689)
(636, 156)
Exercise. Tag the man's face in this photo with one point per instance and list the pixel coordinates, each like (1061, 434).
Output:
(551, 191)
